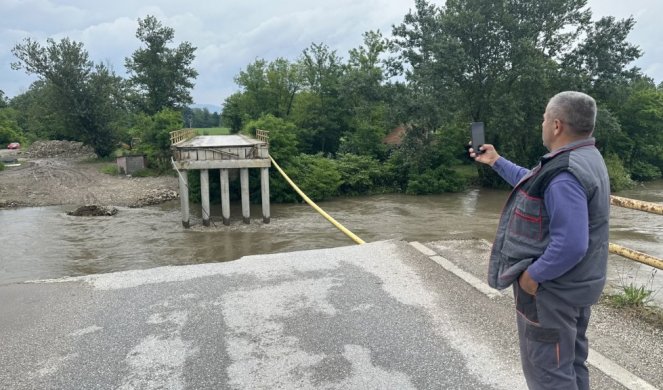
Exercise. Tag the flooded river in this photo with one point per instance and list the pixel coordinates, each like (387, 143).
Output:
(45, 243)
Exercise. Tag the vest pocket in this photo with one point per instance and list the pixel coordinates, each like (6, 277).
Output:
(527, 220)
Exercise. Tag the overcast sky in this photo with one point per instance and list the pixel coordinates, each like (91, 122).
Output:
(230, 34)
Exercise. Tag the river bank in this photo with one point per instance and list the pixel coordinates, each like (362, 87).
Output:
(62, 173)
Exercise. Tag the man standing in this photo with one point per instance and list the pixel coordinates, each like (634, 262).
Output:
(552, 243)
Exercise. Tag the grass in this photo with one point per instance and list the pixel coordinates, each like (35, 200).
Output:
(214, 131)
(632, 296)
(634, 301)
(109, 169)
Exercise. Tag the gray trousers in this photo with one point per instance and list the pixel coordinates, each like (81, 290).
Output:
(553, 341)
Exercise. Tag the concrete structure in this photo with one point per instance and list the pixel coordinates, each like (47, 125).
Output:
(383, 315)
(128, 165)
(223, 152)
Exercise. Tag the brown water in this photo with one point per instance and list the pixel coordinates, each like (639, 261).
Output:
(44, 243)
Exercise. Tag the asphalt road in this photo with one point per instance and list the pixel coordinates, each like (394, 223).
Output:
(376, 316)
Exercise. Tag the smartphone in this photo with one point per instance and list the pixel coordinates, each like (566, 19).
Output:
(478, 136)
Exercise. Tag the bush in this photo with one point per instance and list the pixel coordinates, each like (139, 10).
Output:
(619, 177)
(643, 171)
(2, 166)
(361, 174)
(435, 181)
(315, 175)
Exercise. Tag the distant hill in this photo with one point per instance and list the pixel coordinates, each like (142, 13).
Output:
(209, 107)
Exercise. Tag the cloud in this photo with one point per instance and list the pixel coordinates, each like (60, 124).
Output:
(230, 34)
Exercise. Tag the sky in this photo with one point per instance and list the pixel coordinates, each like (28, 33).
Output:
(230, 34)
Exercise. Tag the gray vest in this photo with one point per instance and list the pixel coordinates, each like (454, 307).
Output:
(523, 232)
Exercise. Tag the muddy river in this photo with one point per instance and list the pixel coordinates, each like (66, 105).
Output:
(45, 243)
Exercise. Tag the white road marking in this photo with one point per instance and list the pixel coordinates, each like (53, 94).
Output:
(607, 366)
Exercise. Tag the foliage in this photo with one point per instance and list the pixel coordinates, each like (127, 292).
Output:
(282, 136)
(235, 112)
(498, 62)
(160, 76)
(9, 129)
(84, 101)
(110, 169)
(360, 174)
(315, 175)
(610, 137)
(4, 102)
(434, 181)
(2, 166)
(634, 296)
(619, 176)
(154, 133)
(200, 118)
(644, 171)
(640, 117)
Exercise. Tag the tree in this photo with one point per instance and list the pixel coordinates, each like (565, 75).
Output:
(3, 99)
(641, 117)
(83, 100)
(320, 111)
(161, 77)
(599, 64)
(154, 133)
(500, 61)
(9, 129)
(363, 94)
(234, 112)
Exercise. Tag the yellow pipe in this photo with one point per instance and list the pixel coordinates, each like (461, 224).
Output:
(636, 256)
(315, 206)
(649, 207)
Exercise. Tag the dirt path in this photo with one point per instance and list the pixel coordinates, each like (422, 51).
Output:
(64, 181)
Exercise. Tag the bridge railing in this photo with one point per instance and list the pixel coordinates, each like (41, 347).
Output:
(182, 135)
(262, 135)
(628, 253)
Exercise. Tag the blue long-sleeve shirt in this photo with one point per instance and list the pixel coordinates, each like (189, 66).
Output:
(566, 203)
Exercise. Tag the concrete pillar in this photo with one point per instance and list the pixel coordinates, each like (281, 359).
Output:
(184, 197)
(244, 182)
(225, 197)
(204, 195)
(264, 191)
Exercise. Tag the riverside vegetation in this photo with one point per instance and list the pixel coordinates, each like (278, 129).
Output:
(441, 68)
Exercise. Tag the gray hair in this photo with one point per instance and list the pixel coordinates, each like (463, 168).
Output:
(576, 109)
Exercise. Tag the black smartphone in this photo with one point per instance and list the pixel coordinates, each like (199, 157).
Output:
(478, 136)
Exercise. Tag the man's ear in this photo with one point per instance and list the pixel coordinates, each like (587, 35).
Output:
(558, 127)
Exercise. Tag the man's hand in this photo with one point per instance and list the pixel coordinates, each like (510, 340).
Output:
(528, 284)
(489, 155)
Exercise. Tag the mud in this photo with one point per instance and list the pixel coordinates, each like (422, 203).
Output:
(74, 179)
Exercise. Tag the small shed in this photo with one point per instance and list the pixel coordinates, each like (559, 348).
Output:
(128, 165)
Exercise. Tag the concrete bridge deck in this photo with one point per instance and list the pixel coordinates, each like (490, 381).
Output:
(384, 315)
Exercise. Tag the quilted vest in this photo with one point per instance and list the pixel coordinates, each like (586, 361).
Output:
(523, 231)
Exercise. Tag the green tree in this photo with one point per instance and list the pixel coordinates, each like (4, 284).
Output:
(363, 95)
(154, 133)
(641, 118)
(499, 62)
(4, 102)
(235, 111)
(599, 63)
(9, 129)
(161, 77)
(84, 100)
(320, 111)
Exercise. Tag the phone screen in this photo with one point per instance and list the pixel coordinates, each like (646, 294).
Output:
(478, 137)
